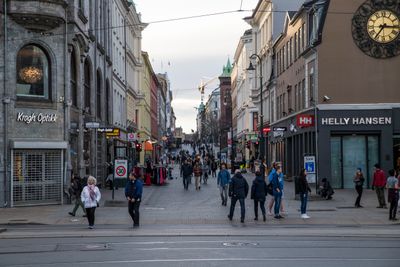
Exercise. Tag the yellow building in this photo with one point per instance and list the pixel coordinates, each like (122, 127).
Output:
(144, 121)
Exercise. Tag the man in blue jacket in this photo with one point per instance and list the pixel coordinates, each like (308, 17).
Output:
(223, 181)
(133, 193)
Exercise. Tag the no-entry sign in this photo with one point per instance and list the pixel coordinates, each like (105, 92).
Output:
(121, 168)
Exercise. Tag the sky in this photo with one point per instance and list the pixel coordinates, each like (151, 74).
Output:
(191, 50)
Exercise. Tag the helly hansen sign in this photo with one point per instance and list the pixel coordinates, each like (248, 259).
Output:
(305, 120)
(357, 121)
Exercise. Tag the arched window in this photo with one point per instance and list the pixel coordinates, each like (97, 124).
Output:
(33, 73)
(98, 95)
(86, 85)
(74, 93)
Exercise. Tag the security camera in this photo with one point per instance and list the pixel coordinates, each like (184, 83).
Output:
(326, 98)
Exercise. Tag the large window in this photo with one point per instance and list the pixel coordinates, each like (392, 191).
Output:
(33, 73)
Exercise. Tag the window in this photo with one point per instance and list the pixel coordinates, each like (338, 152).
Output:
(296, 98)
(86, 85)
(74, 93)
(303, 94)
(295, 46)
(98, 95)
(81, 4)
(311, 85)
(33, 73)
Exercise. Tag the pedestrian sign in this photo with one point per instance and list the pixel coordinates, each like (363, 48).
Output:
(121, 167)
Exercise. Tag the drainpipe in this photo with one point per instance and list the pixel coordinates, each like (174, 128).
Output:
(6, 101)
(66, 104)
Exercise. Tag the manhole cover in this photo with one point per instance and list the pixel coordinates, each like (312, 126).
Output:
(153, 208)
(239, 244)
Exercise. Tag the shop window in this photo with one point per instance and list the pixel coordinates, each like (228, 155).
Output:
(33, 73)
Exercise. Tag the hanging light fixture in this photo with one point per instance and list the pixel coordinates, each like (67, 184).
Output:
(31, 74)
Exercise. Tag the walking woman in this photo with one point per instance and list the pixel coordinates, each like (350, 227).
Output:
(90, 198)
(258, 194)
(359, 182)
(197, 174)
(392, 185)
(303, 191)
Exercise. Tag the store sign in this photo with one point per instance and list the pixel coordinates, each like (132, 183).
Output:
(279, 129)
(39, 117)
(305, 120)
(110, 132)
(133, 137)
(278, 134)
(357, 121)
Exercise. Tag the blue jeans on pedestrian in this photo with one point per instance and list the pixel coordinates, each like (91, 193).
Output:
(277, 198)
(303, 199)
(242, 207)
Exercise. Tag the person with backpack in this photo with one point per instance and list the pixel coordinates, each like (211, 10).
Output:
(258, 194)
(76, 188)
(238, 190)
(133, 193)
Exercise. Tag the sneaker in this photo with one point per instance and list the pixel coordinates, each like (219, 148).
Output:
(269, 213)
(72, 214)
(229, 217)
(305, 216)
(90, 226)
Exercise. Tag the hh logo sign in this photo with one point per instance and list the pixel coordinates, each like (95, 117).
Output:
(305, 120)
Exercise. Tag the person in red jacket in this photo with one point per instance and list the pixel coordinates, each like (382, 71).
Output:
(378, 184)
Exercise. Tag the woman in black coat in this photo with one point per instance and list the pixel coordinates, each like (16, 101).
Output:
(258, 193)
(303, 191)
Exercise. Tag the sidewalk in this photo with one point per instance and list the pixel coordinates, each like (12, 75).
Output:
(171, 205)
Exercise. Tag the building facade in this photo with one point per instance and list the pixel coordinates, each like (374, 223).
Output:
(245, 112)
(54, 88)
(345, 123)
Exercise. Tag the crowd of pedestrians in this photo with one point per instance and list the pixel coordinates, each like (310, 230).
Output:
(236, 188)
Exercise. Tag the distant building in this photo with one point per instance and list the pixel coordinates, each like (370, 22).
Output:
(226, 108)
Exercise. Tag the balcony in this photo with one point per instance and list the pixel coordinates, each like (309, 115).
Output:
(39, 15)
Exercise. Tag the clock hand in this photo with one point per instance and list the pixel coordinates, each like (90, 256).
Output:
(381, 26)
(391, 26)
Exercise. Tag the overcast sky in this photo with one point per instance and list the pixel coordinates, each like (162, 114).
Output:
(193, 49)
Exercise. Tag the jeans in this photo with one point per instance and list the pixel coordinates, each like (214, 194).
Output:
(277, 198)
(90, 215)
(359, 190)
(242, 207)
(380, 193)
(223, 190)
(303, 199)
(393, 208)
(262, 207)
(133, 209)
(197, 181)
(186, 182)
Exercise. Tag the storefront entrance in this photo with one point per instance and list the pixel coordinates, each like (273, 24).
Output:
(349, 152)
(396, 152)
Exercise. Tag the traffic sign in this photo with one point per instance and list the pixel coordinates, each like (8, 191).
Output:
(309, 166)
(121, 168)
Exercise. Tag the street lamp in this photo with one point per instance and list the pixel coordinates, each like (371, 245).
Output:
(251, 68)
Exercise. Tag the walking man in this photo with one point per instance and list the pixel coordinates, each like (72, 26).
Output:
(393, 194)
(187, 171)
(238, 190)
(133, 193)
(378, 184)
(223, 181)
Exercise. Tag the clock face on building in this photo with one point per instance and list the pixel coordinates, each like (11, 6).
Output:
(376, 28)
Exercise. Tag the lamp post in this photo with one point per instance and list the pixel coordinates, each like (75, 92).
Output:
(251, 67)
